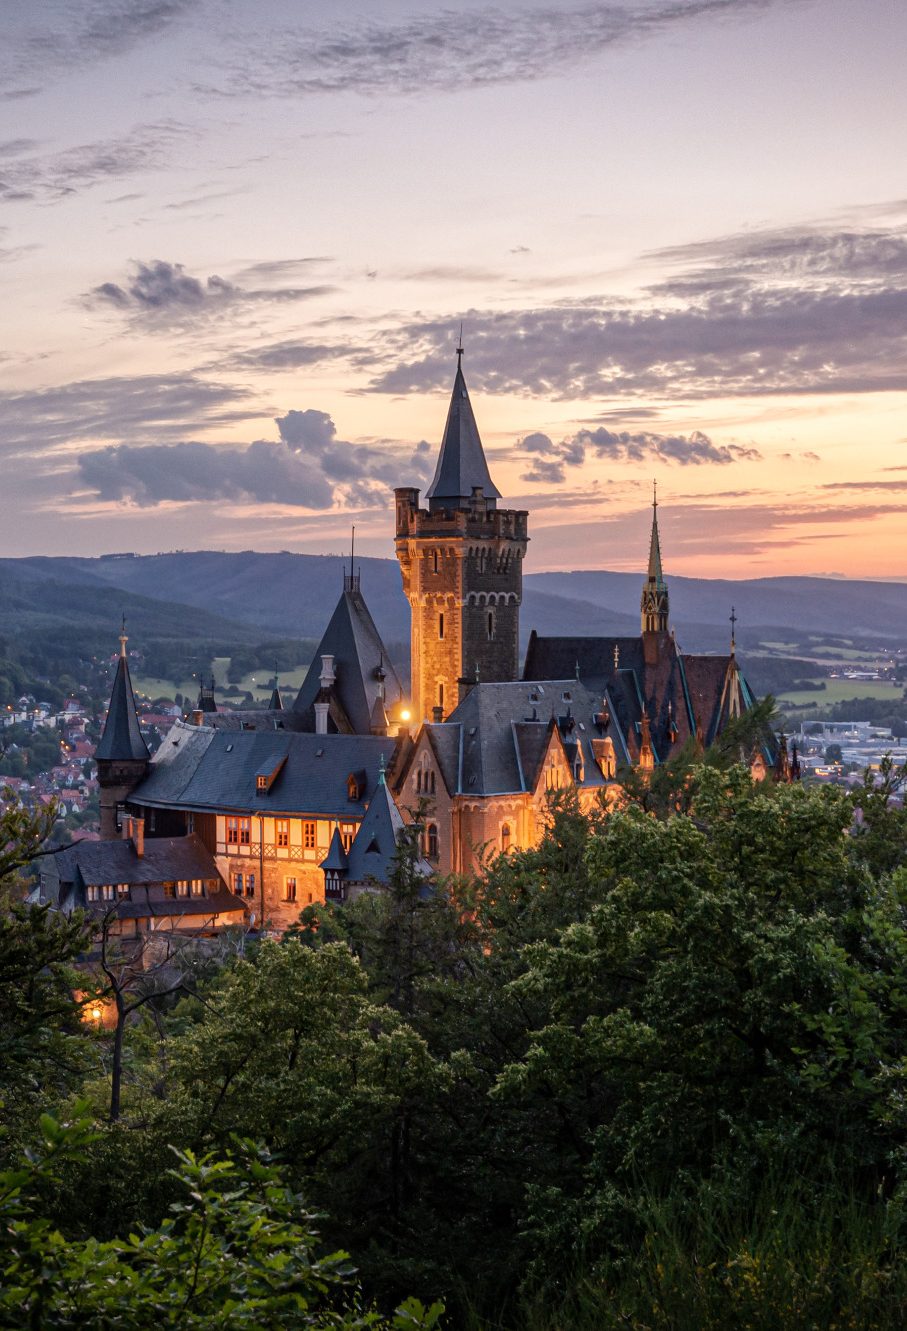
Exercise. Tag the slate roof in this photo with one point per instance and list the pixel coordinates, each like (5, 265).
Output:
(494, 742)
(680, 693)
(372, 853)
(203, 768)
(461, 462)
(355, 644)
(122, 739)
(336, 858)
(165, 860)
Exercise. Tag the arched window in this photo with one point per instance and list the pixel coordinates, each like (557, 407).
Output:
(431, 783)
(505, 837)
(431, 841)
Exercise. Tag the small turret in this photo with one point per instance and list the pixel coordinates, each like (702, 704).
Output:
(654, 603)
(121, 755)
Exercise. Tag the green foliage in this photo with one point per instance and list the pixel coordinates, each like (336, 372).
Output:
(237, 1250)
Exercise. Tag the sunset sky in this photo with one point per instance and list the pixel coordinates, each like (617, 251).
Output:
(238, 238)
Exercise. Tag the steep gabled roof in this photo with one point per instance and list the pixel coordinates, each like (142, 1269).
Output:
(336, 860)
(461, 462)
(371, 855)
(359, 655)
(122, 739)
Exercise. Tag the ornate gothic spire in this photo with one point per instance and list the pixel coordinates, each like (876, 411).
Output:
(121, 739)
(462, 467)
(654, 603)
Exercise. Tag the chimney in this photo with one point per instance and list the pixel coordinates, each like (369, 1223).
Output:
(328, 673)
(138, 836)
(321, 717)
(198, 717)
(437, 715)
(126, 826)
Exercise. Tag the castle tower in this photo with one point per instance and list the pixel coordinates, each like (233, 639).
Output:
(654, 603)
(122, 755)
(462, 565)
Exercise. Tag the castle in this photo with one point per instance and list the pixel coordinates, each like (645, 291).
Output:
(302, 802)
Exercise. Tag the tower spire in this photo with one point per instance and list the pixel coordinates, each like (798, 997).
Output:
(462, 472)
(124, 637)
(654, 603)
(733, 619)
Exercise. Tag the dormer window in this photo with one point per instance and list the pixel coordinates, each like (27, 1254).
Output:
(355, 786)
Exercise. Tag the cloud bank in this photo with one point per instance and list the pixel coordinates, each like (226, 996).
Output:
(550, 460)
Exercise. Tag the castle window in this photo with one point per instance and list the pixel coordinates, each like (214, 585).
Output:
(347, 832)
(434, 556)
(491, 626)
(283, 832)
(91, 892)
(431, 841)
(308, 836)
(440, 695)
(431, 783)
(505, 837)
(123, 891)
(440, 626)
(250, 885)
(182, 887)
(237, 884)
(289, 889)
(197, 887)
(107, 892)
(169, 889)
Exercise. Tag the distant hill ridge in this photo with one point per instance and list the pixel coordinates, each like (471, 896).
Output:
(293, 595)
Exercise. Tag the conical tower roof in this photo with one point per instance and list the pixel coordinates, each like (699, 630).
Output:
(655, 577)
(461, 463)
(122, 739)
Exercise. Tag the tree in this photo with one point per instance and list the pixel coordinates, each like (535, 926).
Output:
(833, 754)
(239, 1250)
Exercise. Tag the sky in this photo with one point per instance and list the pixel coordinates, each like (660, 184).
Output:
(238, 239)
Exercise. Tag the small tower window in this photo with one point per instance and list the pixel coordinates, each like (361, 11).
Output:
(431, 841)
(491, 626)
(440, 695)
(505, 837)
(434, 559)
(440, 626)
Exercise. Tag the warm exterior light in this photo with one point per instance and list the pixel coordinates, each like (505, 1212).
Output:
(96, 1013)
(405, 715)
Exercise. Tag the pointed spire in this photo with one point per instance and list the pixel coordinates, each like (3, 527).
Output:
(462, 469)
(654, 603)
(121, 739)
(733, 619)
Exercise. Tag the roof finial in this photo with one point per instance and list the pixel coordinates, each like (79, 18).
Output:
(460, 347)
(352, 548)
(655, 494)
(616, 656)
(123, 636)
(733, 619)
(381, 771)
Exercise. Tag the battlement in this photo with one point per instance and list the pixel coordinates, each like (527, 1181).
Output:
(481, 519)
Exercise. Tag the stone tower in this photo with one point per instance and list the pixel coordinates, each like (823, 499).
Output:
(654, 607)
(462, 565)
(122, 755)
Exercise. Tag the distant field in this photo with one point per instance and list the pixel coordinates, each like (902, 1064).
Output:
(256, 683)
(840, 690)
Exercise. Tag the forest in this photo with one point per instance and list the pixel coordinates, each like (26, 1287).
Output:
(648, 1074)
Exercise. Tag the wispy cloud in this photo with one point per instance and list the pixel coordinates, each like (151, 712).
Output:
(162, 293)
(451, 50)
(791, 311)
(308, 467)
(147, 407)
(49, 177)
(59, 35)
(551, 459)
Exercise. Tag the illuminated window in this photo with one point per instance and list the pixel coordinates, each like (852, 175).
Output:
(232, 831)
(308, 836)
(107, 892)
(347, 832)
(289, 889)
(283, 831)
(122, 890)
(245, 831)
(197, 887)
(92, 892)
(182, 887)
